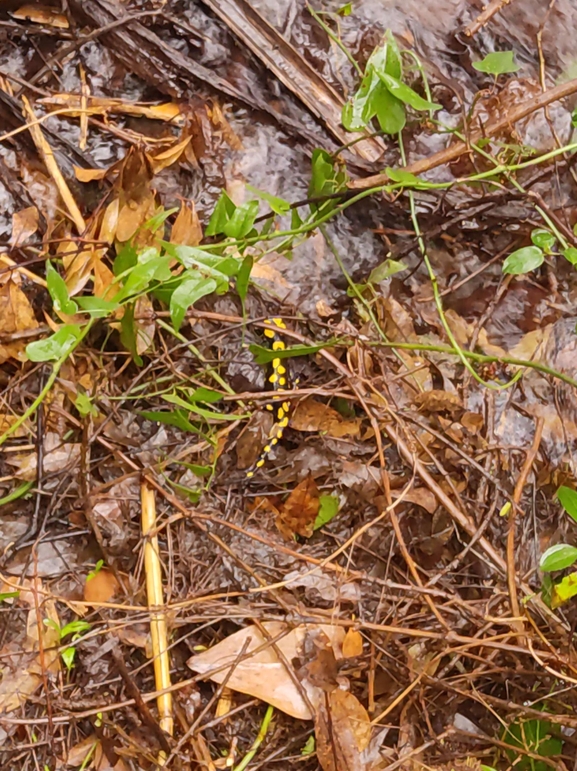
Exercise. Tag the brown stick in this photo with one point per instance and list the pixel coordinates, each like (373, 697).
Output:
(486, 15)
(461, 148)
(518, 492)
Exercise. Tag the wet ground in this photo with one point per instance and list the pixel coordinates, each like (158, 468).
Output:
(422, 461)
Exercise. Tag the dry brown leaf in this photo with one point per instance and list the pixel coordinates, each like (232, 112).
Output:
(24, 225)
(472, 421)
(78, 271)
(132, 215)
(77, 754)
(168, 157)
(16, 315)
(103, 277)
(343, 731)
(41, 14)
(6, 421)
(89, 175)
(187, 229)
(100, 587)
(352, 644)
(57, 457)
(421, 496)
(311, 415)
(263, 674)
(298, 513)
(438, 401)
(218, 120)
(109, 222)
(168, 112)
(144, 324)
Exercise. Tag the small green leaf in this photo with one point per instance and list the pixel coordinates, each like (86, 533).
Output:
(84, 405)
(8, 596)
(570, 254)
(406, 94)
(56, 346)
(278, 205)
(128, 333)
(97, 307)
(159, 218)
(186, 294)
(524, 260)
(564, 590)
(385, 270)
(329, 508)
(68, 655)
(568, 499)
(242, 221)
(558, 557)
(59, 291)
(17, 493)
(74, 627)
(497, 63)
(544, 239)
(389, 110)
(264, 355)
(97, 568)
(244, 276)
(202, 394)
(345, 10)
(222, 213)
(126, 258)
(176, 418)
(309, 746)
(402, 176)
(191, 407)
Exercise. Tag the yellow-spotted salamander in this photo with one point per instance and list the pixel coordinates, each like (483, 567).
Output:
(280, 381)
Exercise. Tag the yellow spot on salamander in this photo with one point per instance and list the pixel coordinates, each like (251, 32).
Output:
(281, 381)
(260, 463)
(268, 333)
(280, 369)
(274, 441)
(286, 406)
(276, 365)
(280, 413)
(269, 407)
(249, 474)
(279, 323)
(278, 436)
(267, 448)
(278, 345)
(273, 378)
(283, 423)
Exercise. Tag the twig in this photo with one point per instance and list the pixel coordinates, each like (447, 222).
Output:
(486, 15)
(518, 492)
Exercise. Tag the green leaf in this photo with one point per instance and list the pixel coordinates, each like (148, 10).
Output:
(128, 333)
(359, 110)
(84, 405)
(564, 590)
(210, 264)
(402, 176)
(186, 294)
(159, 218)
(389, 110)
(309, 746)
(544, 239)
(296, 219)
(568, 499)
(206, 414)
(329, 508)
(497, 63)
(386, 57)
(59, 291)
(244, 276)
(325, 178)
(97, 307)
(524, 260)
(385, 270)
(74, 627)
(406, 94)
(56, 346)
(242, 221)
(558, 557)
(264, 355)
(222, 213)
(17, 493)
(345, 10)
(570, 254)
(68, 655)
(126, 258)
(8, 596)
(278, 205)
(202, 394)
(97, 568)
(176, 418)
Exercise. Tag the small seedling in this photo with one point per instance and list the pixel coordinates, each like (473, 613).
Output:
(75, 628)
(561, 556)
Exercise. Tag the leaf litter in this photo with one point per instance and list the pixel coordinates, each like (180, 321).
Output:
(379, 578)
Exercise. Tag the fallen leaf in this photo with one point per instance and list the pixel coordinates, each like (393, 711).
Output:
(352, 644)
(109, 222)
(58, 456)
(472, 421)
(311, 415)
(298, 513)
(421, 496)
(187, 229)
(438, 401)
(16, 315)
(24, 225)
(263, 674)
(168, 157)
(41, 14)
(168, 112)
(89, 175)
(342, 731)
(100, 587)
